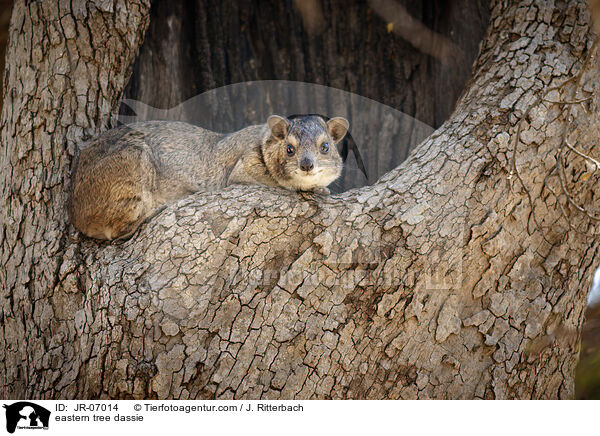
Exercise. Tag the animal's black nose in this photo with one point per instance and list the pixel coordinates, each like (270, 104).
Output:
(306, 164)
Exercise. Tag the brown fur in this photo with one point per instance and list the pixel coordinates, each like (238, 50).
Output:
(125, 174)
(269, 164)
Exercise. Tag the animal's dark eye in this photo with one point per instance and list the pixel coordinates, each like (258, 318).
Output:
(290, 150)
(325, 148)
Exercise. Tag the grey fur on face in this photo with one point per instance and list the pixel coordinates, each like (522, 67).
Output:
(301, 152)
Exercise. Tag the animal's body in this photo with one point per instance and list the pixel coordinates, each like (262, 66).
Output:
(123, 176)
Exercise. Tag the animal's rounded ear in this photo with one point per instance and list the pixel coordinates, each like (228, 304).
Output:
(337, 128)
(278, 126)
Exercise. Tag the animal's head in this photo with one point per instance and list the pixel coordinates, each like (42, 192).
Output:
(305, 150)
(27, 413)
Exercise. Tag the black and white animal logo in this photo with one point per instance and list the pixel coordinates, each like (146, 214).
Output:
(26, 415)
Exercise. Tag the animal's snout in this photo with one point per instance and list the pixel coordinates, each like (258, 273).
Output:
(306, 164)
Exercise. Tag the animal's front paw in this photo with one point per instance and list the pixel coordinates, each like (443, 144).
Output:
(324, 191)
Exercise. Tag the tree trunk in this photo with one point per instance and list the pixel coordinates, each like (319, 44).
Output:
(64, 79)
(461, 274)
(5, 10)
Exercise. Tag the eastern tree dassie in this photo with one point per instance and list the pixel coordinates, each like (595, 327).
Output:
(124, 175)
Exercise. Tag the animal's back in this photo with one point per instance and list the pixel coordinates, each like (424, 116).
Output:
(122, 175)
(112, 184)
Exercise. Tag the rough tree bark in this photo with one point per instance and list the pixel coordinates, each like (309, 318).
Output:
(461, 274)
(5, 10)
(67, 65)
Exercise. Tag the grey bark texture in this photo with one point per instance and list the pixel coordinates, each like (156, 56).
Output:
(67, 65)
(461, 274)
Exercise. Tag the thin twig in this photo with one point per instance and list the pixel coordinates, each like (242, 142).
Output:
(583, 100)
(583, 155)
(515, 171)
(559, 161)
(562, 209)
(559, 166)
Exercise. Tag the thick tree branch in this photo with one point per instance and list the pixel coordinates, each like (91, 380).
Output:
(428, 284)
